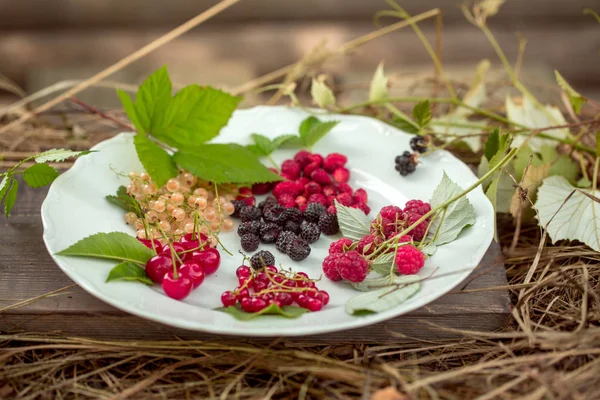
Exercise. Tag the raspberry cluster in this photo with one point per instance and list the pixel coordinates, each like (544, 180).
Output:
(181, 267)
(348, 260)
(406, 163)
(262, 284)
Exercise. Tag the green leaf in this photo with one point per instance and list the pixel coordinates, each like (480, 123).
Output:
(263, 144)
(383, 263)
(354, 224)
(58, 155)
(195, 115)
(273, 309)
(307, 124)
(152, 99)
(124, 200)
(492, 144)
(295, 142)
(422, 113)
(4, 186)
(582, 183)
(129, 108)
(321, 94)
(385, 298)
(372, 283)
(379, 85)
(128, 271)
(458, 215)
(11, 197)
(113, 246)
(405, 125)
(156, 161)
(225, 163)
(282, 140)
(561, 165)
(39, 175)
(317, 132)
(254, 150)
(577, 100)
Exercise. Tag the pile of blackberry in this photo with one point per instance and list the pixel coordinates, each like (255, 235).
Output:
(290, 229)
(406, 163)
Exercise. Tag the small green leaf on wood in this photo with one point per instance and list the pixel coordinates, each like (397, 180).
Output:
(156, 161)
(58, 155)
(128, 271)
(273, 310)
(385, 298)
(354, 224)
(577, 100)
(11, 197)
(422, 113)
(39, 175)
(113, 246)
(124, 200)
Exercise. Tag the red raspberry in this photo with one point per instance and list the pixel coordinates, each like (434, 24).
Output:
(363, 207)
(262, 188)
(333, 161)
(290, 169)
(316, 159)
(300, 201)
(287, 200)
(317, 198)
(418, 232)
(302, 207)
(329, 190)
(330, 267)
(409, 260)
(341, 175)
(368, 244)
(390, 212)
(320, 176)
(332, 210)
(360, 196)
(312, 187)
(345, 199)
(338, 246)
(384, 226)
(301, 158)
(417, 207)
(330, 200)
(303, 181)
(310, 168)
(245, 194)
(352, 266)
(343, 187)
(288, 187)
(403, 238)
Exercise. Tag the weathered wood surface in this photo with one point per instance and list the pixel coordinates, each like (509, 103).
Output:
(27, 271)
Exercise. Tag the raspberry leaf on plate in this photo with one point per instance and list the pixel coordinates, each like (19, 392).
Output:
(384, 298)
(312, 130)
(113, 246)
(263, 146)
(273, 309)
(156, 161)
(383, 263)
(128, 271)
(57, 155)
(125, 201)
(354, 224)
(372, 283)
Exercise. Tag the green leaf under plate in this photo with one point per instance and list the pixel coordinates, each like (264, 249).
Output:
(383, 263)
(128, 271)
(39, 175)
(113, 246)
(156, 161)
(383, 299)
(354, 224)
(285, 311)
(58, 155)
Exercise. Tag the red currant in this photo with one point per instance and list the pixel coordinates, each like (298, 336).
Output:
(262, 277)
(266, 297)
(177, 289)
(243, 271)
(313, 304)
(272, 269)
(323, 296)
(228, 299)
(257, 304)
(276, 302)
(259, 286)
(302, 300)
(194, 271)
(284, 298)
(157, 267)
(246, 304)
(242, 294)
(245, 280)
(209, 259)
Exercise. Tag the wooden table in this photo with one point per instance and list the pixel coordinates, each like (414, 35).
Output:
(27, 272)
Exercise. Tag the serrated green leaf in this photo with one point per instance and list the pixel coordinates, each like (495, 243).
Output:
(225, 163)
(124, 200)
(128, 271)
(273, 310)
(383, 263)
(58, 155)
(577, 100)
(321, 94)
(113, 246)
(379, 85)
(429, 249)
(307, 124)
(281, 140)
(405, 125)
(503, 146)
(156, 161)
(152, 99)
(39, 175)
(422, 113)
(130, 110)
(354, 224)
(11, 197)
(254, 150)
(561, 165)
(294, 142)
(458, 215)
(263, 144)
(4, 186)
(584, 183)
(522, 160)
(492, 144)
(385, 298)
(195, 115)
(318, 132)
(372, 283)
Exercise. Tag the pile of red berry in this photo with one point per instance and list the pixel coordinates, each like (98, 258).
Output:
(348, 260)
(262, 284)
(181, 267)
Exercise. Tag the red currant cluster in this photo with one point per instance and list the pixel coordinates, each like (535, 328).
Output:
(348, 260)
(181, 267)
(261, 286)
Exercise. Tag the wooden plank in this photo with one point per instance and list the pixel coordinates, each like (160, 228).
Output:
(27, 271)
(103, 13)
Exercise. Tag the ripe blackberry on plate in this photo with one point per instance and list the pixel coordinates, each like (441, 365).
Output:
(293, 214)
(262, 259)
(249, 227)
(274, 214)
(406, 163)
(292, 226)
(269, 201)
(418, 143)
(328, 224)
(250, 242)
(310, 232)
(250, 213)
(283, 240)
(298, 249)
(314, 211)
(269, 232)
(237, 206)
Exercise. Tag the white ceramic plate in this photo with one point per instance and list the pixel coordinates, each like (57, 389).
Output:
(75, 208)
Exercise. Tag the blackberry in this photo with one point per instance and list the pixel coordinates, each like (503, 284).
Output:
(269, 232)
(310, 232)
(250, 242)
(292, 226)
(250, 213)
(314, 211)
(418, 143)
(328, 224)
(282, 241)
(293, 214)
(298, 249)
(262, 259)
(249, 227)
(275, 214)
(269, 201)
(406, 163)
(237, 206)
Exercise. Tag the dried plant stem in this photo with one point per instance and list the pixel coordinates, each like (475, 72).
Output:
(166, 38)
(102, 114)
